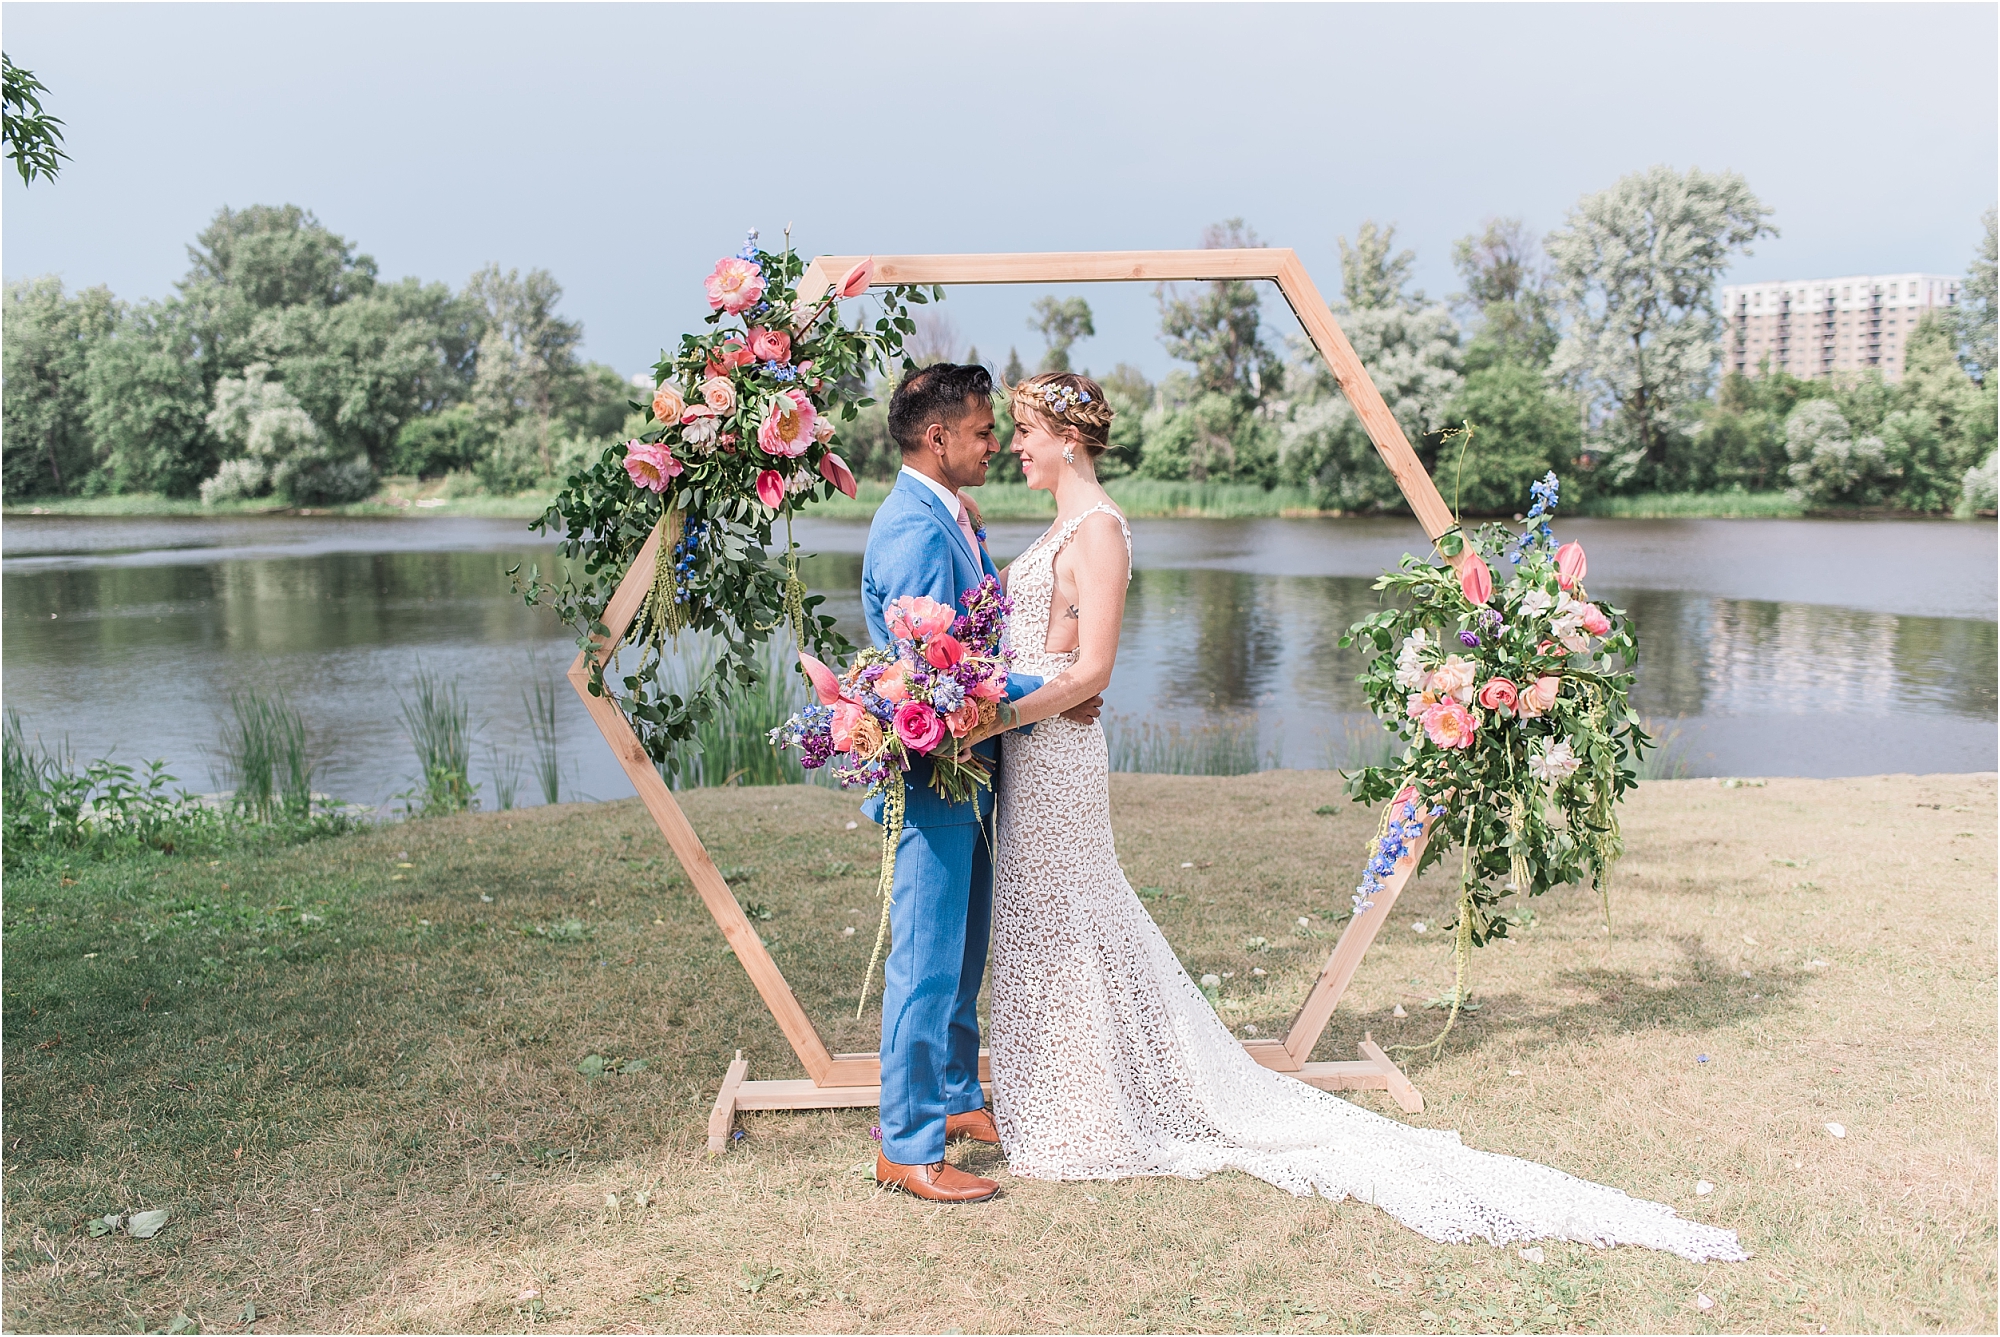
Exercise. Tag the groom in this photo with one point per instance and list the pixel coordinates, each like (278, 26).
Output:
(925, 540)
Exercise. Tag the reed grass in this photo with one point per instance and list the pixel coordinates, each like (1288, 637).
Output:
(732, 745)
(1361, 745)
(1225, 745)
(265, 761)
(1696, 506)
(440, 728)
(542, 729)
(505, 770)
(1667, 760)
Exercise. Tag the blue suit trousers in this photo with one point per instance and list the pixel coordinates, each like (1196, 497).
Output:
(930, 988)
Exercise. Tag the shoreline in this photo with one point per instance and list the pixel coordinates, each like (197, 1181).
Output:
(1142, 499)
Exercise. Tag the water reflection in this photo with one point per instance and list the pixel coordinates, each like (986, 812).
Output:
(124, 646)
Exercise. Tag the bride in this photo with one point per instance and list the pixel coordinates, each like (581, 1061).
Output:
(1107, 1060)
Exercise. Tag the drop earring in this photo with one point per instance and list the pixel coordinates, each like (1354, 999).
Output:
(1069, 454)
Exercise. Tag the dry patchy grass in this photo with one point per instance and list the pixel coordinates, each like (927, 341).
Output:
(353, 1082)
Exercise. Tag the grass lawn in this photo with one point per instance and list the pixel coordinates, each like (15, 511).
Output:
(349, 1071)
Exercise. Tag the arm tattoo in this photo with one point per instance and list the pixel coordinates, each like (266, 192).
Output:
(1072, 612)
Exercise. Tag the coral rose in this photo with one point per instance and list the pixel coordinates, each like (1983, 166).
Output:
(668, 403)
(735, 285)
(1499, 694)
(989, 689)
(856, 280)
(649, 464)
(918, 726)
(963, 720)
(1453, 678)
(846, 715)
(718, 394)
(1594, 620)
(894, 684)
(733, 353)
(1540, 696)
(1449, 725)
(788, 425)
(767, 345)
(1570, 564)
(835, 471)
(1475, 580)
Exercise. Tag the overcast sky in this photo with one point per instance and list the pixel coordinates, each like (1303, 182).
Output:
(623, 147)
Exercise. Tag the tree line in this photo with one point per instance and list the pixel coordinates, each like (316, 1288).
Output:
(284, 366)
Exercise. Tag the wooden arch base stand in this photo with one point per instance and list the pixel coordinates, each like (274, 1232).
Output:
(835, 1081)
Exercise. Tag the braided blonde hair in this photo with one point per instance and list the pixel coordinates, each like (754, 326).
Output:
(1068, 405)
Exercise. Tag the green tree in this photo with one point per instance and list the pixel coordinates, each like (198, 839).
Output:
(1635, 268)
(1952, 419)
(527, 357)
(1061, 323)
(1371, 278)
(1521, 430)
(45, 441)
(1218, 329)
(148, 402)
(33, 138)
(1507, 288)
(1131, 396)
(1979, 303)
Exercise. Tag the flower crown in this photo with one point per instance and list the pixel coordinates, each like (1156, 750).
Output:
(1060, 399)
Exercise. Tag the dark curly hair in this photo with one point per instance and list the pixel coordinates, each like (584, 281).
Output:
(940, 392)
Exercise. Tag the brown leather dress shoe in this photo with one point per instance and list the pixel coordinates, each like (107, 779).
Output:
(942, 1182)
(976, 1125)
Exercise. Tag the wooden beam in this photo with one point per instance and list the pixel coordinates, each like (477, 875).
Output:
(723, 1117)
(1264, 262)
(1405, 1095)
(1345, 959)
(673, 823)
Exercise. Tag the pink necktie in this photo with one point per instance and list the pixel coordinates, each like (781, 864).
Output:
(965, 527)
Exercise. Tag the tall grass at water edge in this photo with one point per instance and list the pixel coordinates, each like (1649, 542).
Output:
(732, 746)
(1224, 745)
(264, 756)
(440, 729)
(542, 730)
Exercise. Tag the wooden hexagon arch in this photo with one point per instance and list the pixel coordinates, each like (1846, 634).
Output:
(846, 1080)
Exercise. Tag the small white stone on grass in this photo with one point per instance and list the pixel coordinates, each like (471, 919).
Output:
(1418, 926)
(1304, 922)
(1513, 1072)
(1702, 1188)
(851, 826)
(1702, 1301)
(1752, 941)
(1249, 1030)
(1211, 981)
(1187, 865)
(847, 932)
(1534, 1255)
(1399, 1012)
(1838, 1130)
(1259, 971)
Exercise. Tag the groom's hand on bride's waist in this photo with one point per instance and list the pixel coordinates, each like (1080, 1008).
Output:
(1085, 712)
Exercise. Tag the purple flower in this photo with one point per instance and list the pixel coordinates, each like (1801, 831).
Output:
(1469, 640)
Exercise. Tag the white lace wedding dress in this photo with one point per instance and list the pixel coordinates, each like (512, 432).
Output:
(1108, 1062)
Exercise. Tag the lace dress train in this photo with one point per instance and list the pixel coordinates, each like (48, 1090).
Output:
(1108, 1062)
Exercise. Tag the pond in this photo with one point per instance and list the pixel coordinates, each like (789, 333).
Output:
(1796, 647)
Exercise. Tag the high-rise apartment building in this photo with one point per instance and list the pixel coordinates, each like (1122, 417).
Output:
(1816, 327)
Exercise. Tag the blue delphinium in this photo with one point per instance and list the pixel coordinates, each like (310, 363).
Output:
(1403, 828)
(781, 371)
(749, 251)
(946, 695)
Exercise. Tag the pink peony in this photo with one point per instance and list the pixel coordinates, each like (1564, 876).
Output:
(835, 471)
(963, 720)
(1594, 620)
(918, 726)
(943, 651)
(1475, 580)
(770, 345)
(856, 280)
(846, 715)
(825, 685)
(1449, 725)
(718, 394)
(771, 489)
(1453, 678)
(915, 616)
(1570, 564)
(1539, 697)
(668, 403)
(894, 684)
(788, 425)
(1499, 694)
(735, 285)
(649, 464)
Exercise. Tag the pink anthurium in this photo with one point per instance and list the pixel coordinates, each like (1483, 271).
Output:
(1475, 579)
(835, 471)
(856, 280)
(824, 683)
(1570, 564)
(771, 489)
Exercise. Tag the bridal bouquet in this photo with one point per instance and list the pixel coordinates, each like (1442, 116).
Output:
(1514, 702)
(740, 430)
(939, 679)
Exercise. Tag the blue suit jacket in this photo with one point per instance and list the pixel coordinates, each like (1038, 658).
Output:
(915, 547)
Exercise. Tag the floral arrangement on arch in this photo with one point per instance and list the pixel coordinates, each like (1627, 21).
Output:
(1514, 703)
(743, 428)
